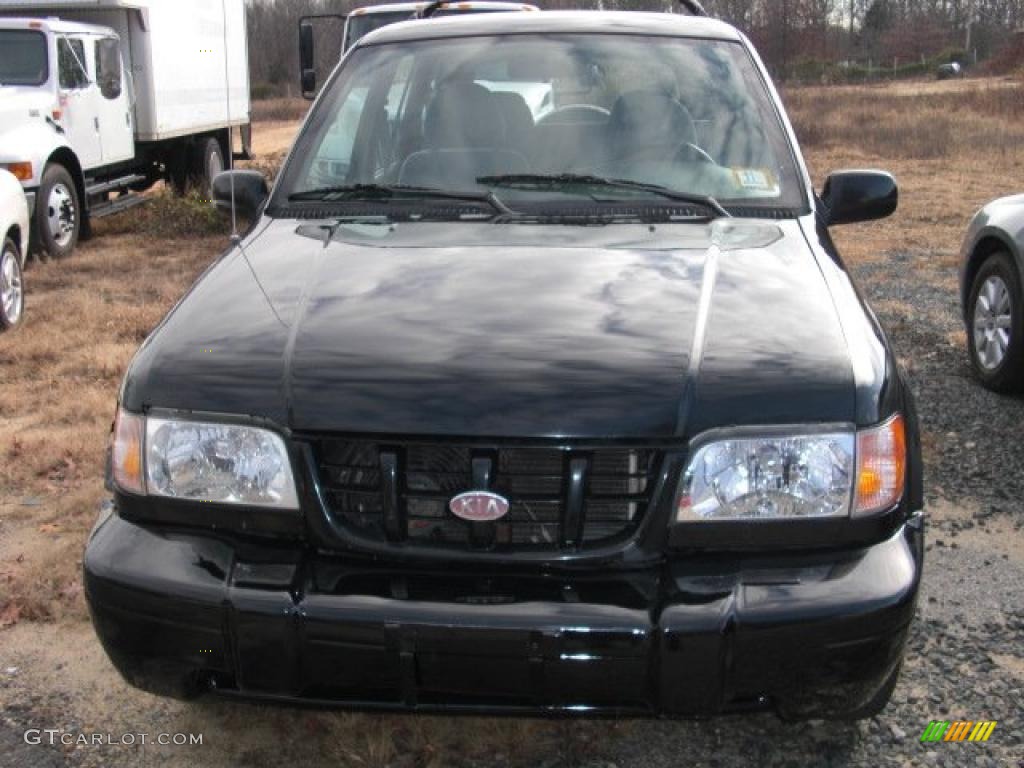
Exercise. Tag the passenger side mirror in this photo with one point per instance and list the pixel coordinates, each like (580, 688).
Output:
(307, 59)
(251, 191)
(853, 196)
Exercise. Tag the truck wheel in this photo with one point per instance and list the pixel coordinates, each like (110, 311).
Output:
(209, 162)
(58, 214)
(12, 287)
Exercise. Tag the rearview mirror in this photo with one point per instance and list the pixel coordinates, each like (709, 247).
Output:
(853, 196)
(307, 59)
(250, 191)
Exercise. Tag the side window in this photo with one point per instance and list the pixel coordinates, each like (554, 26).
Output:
(354, 119)
(334, 157)
(108, 67)
(71, 63)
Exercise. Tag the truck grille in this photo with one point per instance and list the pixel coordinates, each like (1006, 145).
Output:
(559, 497)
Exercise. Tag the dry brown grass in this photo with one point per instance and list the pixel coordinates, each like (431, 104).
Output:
(953, 147)
(283, 109)
(60, 372)
(912, 123)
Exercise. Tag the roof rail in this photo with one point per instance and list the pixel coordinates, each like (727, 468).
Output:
(694, 7)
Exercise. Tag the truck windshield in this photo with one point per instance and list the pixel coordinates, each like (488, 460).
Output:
(362, 24)
(529, 117)
(23, 58)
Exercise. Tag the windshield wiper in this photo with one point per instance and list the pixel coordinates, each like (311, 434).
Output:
(363, 192)
(550, 181)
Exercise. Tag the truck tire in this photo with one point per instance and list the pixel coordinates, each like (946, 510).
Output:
(178, 164)
(209, 161)
(12, 287)
(58, 214)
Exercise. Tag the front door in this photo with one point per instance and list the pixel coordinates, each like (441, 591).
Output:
(79, 99)
(114, 103)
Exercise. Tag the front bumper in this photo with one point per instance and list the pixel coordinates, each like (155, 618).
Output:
(810, 636)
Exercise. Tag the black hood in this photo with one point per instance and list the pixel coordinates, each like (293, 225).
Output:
(613, 331)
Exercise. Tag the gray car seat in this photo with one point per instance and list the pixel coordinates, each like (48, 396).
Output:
(465, 135)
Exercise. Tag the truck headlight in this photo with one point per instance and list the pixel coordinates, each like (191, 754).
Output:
(202, 461)
(796, 476)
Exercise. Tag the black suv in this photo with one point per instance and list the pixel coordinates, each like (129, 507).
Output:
(536, 386)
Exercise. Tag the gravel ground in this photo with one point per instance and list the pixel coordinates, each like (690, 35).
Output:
(966, 654)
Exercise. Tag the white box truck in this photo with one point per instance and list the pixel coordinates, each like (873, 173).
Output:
(100, 99)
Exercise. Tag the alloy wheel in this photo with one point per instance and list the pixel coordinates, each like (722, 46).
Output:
(12, 293)
(992, 323)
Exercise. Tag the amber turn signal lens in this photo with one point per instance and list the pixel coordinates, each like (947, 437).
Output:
(126, 452)
(21, 171)
(881, 467)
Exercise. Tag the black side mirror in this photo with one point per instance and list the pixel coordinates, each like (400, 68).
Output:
(853, 196)
(307, 59)
(250, 191)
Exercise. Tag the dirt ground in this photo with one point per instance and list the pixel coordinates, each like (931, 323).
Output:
(86, 316)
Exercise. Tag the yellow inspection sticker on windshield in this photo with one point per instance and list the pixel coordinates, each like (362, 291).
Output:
(755, 180)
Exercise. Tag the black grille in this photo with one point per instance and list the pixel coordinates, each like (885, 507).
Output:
(559, 497)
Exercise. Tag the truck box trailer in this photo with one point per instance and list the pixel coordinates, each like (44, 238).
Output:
(114, 95)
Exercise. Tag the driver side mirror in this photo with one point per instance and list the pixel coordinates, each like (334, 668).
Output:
(854, 196)
(250, 191)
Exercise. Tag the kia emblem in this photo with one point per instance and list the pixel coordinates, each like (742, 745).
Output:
(479, 506)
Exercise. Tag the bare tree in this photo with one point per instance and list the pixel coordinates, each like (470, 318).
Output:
(787, 32)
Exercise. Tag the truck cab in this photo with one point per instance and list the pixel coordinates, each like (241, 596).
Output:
(64, 95)
(362, 21)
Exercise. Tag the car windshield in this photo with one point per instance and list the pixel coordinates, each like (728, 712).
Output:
(545, 118)
(22, 57)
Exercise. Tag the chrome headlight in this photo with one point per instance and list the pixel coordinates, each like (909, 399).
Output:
(768, 478)
(223, 463)
(201, 461)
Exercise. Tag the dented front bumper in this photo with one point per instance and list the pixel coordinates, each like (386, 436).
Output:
(809, 635)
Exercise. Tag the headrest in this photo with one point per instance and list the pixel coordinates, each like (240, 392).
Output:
(652, 117)
(463, 115)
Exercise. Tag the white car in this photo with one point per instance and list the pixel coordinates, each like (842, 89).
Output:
(14, 232)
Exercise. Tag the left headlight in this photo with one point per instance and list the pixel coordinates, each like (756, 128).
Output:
(203, 461)
(797, 476)
(767, 478)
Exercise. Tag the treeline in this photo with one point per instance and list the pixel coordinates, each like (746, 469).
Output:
(880, 35)
(804, 39)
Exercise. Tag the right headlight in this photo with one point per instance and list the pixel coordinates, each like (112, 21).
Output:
(202, 461)
(795, 476)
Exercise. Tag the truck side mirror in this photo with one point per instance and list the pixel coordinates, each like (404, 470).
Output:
(307, 59)
(250, 190)
(854, 196)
